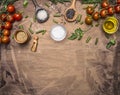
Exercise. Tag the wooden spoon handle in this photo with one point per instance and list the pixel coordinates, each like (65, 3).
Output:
(73, 4)
(34, 46)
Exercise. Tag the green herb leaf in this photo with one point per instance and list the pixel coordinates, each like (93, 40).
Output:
(108, 45)
(78, 19)
(96, 41)
(111, 43)
(12, 36)
(97, 24)
(34, 18)
(88, 39)
(25, 3)
(41, 31)
(21, 27)
(80, 33)
(30, 25)
(73, 36)
(30, 30)
(47, 5)
(57, 15)
(81, 23)
(59, 1)
(55, 21)
(26, 16)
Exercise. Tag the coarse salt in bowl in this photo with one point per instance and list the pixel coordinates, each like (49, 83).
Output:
(58, 33)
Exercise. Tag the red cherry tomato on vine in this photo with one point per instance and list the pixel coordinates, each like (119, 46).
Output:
(103, 13)
(90, 10)
(0, 40)
(105, 4)
(5, 39)
(10, 18)
(96, 16)
(7, 25)
(117, 8)
(6, 32)
(10, 8)
(17, 16)
(110, 11)
(3, 17)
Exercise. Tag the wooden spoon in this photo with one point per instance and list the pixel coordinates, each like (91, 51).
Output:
(34, 45)
(73, 8)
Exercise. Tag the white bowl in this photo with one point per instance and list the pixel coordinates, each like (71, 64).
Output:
(58, 32)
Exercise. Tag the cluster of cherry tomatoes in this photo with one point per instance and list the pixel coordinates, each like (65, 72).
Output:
(107, 10)
(6, 22)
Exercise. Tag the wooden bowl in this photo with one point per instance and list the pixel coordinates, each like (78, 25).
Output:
(21, 36)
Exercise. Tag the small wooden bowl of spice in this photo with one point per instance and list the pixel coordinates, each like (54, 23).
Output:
(21, 36)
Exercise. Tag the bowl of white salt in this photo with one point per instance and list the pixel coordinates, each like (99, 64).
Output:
(58, 33)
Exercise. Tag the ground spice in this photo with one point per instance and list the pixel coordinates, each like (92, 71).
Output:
(70, 13)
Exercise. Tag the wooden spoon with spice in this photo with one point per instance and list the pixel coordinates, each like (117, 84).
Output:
(70, 13)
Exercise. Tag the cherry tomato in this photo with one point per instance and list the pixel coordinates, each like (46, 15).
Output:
(1, 26)
(8, 25)
(117, 9)
(90, 10)
(10, 8)
(0, 40)
(105, 4)
(96, 16)
(6, 32)
(17, 16)
(110, 11)
(88, 20)
(3, 17)
(10, 18)
(118, 1)
(103, 13)
(5, 39)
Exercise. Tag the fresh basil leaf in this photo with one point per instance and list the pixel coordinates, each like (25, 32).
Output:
(73, 36)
